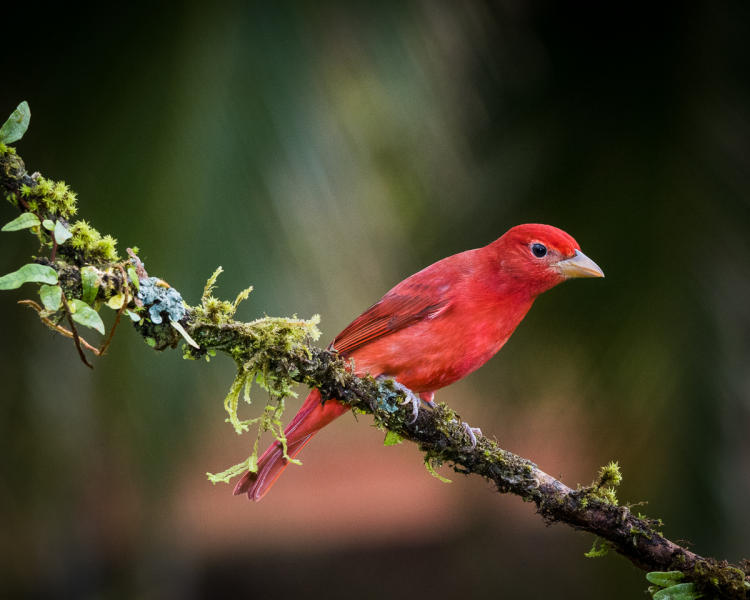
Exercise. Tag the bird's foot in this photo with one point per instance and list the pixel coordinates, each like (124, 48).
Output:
(409, 396)
(472, 432)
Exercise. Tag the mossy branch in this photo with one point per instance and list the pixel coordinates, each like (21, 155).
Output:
(277, 352)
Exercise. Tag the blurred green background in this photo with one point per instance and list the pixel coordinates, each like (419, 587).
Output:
(322, 155)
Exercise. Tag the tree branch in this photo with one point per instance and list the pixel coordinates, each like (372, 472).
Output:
(277, 352)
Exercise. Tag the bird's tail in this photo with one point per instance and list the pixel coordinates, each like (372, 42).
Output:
(307, 422)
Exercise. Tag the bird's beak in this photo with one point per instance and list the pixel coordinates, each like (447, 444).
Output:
(579, 265)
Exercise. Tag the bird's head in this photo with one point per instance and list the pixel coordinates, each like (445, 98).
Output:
(541, 256)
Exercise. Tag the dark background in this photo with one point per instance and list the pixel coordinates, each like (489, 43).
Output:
(322, 155)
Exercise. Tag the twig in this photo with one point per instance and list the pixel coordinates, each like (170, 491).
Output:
(58, 328)
(76, 337)
(125, 301)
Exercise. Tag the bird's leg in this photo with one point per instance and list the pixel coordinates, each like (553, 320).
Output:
(428, 398)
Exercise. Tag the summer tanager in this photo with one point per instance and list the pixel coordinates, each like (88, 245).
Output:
(438, 326)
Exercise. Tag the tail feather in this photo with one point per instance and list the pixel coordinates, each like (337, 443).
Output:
(307, 422)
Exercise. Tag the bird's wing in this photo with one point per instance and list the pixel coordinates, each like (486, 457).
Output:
(395, 311)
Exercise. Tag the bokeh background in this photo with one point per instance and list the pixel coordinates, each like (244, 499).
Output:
(323, 154)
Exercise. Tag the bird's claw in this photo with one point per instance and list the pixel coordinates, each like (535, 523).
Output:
(472, 432)
(409, 397)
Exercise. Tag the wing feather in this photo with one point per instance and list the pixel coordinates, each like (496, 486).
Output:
(395, 311)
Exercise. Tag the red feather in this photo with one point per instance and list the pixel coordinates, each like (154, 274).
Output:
(395, 311)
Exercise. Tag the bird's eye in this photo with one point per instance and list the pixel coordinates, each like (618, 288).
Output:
(539, 250)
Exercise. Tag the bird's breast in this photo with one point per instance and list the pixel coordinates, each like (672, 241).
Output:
(436, 352)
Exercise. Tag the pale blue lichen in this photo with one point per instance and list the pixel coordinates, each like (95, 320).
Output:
(161, 298)
(386, 394)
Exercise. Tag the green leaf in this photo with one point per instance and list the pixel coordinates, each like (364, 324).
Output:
(47, 224)
(16, 125)
(134, 278)
(31, 273)
(51, 296)
(665, 578)
(89, 283)
(392, 438)
(61, 233)
(24, 221)
(85, 315)
(134, 316)
(115, 302)
(681, 591)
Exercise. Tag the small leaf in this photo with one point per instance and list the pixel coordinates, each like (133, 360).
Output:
(681, 591)
(24, 221)
(85, 315)
(51, 296)
(89, 283)
(115, 302)
(392, 439)
(47, 224)
(31, 273)
(134, 278)
(16, 125)
(61, 233)
(665, 578)
(184, 334)
(134, 316)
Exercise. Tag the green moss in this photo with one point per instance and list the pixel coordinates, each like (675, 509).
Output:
(262, 350)
(84, 235)
(55, 201)
(604, 487)
(53, 198)
(90, 246)
(213, 310)
(637, 532)
(712, 577)
(106, 249)
(610, 475)
(599, 549)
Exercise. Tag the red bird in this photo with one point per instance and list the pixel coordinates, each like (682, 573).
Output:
(438, 326)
